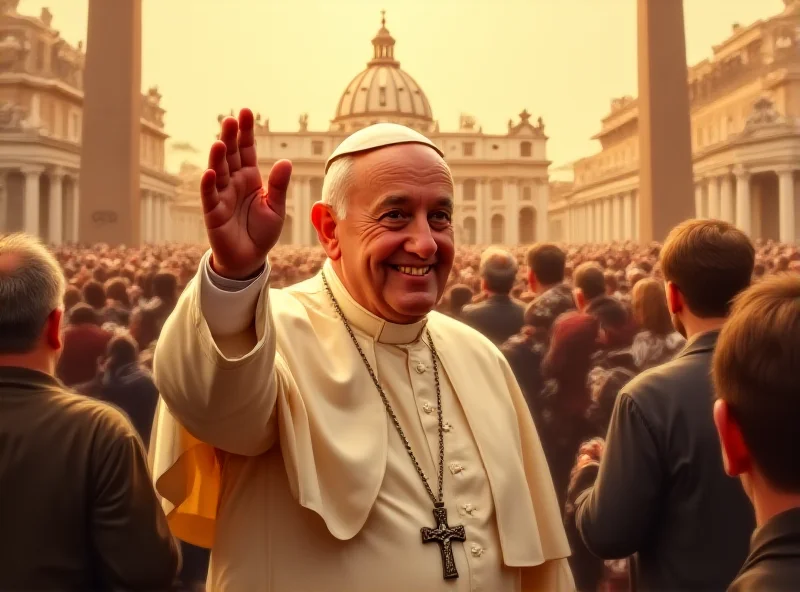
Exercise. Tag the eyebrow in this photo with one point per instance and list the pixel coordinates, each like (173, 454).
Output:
(401, 200)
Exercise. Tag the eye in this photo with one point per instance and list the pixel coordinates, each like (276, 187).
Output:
(393, 215)
(441, 216)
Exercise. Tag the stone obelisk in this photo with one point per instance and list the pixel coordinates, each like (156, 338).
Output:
(666, 194)
(109, 177)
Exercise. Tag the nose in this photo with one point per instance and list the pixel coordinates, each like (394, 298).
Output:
(420, 241)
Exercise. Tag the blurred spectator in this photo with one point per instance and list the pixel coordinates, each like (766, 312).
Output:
(84, 343)
(658, 341)
(499, 316)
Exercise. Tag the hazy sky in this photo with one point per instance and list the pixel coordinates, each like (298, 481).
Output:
(561, 59)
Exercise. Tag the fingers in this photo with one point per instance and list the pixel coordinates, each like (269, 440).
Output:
(230, 136)
(218, 164)
(209, 197)
(247, 139)
(277, 184)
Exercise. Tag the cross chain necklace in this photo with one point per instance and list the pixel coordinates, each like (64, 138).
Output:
(442, 533)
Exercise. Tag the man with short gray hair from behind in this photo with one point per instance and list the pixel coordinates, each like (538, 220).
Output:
(78, 509)
(499, 316)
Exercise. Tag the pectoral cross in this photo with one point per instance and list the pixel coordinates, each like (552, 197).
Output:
(444, 535)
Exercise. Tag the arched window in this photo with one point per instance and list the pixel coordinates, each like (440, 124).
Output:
(498, 229)
(527, 225)
(470, 228)
(469, 190)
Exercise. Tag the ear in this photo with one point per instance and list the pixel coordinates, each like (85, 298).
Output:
(580, 300)
(674, 298)
(326, 224)
(735, 455)
(532, 279)
(53, 329)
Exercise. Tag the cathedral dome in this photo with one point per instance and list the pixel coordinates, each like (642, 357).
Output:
(383, 93)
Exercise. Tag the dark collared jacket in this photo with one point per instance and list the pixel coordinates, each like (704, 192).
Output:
(661, 493)
(498, 317)
(774, 560)
(77, 506)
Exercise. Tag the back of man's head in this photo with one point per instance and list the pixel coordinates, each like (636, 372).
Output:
(590, 280)
(31, 297)
(757, 383)
(498, 269)
(165, 287)
(547, 262)
(709, 262)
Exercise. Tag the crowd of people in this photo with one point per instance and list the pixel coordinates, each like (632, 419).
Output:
(606, 416)
(575, 322)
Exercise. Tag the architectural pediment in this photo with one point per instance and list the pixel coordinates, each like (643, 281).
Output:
(525, 127)
(765, 120)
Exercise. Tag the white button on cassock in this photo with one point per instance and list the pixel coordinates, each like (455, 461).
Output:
(455, 468)
(476, 551)
(420, 368)
(427, 408)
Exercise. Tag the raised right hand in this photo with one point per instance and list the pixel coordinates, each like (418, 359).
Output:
(243, 218)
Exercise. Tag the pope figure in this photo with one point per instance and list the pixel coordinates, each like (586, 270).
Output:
(340, 435)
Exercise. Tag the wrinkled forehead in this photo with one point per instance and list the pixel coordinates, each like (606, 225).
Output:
(411, 170)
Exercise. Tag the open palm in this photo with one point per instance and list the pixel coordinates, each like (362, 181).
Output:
(243, 218)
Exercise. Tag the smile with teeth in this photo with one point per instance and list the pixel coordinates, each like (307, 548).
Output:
(413, 270)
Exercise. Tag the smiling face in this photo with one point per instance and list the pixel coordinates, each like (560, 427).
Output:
(394, 249)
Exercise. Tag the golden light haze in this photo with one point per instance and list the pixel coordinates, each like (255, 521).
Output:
(561, 59)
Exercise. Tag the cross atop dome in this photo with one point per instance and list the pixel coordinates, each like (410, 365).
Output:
(524, 116)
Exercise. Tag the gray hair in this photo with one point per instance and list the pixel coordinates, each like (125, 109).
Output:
(337, 183)
(498, 269)
(31, 287)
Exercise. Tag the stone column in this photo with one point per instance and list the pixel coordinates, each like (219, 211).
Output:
(304, 226)
(542, 214)
(511, 191)
(713, 198)
(149, 234)
(481, 237)
(786, 204)
(112, 107)
(598, 221)
(56, 218)
(31, 208)
(726, 198)
(698, 199)
(627, 216)
(616, 213)
(76, 208)
(665, 146)
(168, 230)
(606, 219)
(743, 207)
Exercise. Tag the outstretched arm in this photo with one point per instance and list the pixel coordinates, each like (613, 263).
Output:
(215, 361)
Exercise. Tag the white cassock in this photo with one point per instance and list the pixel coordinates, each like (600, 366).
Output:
(281, 457)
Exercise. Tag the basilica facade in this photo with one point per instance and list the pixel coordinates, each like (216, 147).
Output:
(745, 119)
(501, 180)
(41, 102)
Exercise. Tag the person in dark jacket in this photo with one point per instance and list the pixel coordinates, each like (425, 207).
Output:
(85, 343)
(525, 351)
(757, 413)
(123, 382)
(499, 316)
(661, 493)
(77, 506)
(616, 323)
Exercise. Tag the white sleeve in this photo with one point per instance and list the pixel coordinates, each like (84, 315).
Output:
(229, 306)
